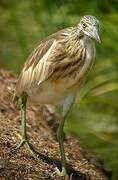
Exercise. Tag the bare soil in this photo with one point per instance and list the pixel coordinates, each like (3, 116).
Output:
(41, 127)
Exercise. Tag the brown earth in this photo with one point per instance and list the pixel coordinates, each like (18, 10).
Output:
(19, 164)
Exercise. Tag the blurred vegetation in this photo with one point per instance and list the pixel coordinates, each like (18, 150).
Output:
(94, 118)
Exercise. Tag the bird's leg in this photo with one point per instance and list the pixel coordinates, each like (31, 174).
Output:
(23, 136)
(60, 136)
(60, 132)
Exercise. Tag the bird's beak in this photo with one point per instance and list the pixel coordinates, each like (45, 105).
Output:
(94, 34)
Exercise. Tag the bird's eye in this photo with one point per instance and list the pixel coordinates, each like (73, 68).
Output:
(83, 24)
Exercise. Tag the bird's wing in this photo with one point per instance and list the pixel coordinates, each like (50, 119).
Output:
(42, 62)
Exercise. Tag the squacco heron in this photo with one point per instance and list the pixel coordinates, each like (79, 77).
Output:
(54, 72)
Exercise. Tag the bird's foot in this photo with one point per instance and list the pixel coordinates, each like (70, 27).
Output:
(24, 141)
(62, 172)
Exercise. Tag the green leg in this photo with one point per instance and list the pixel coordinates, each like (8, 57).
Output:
(60, 136)
(60, 132)
(23, 136)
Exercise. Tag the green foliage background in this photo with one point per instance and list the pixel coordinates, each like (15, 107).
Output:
(94, 118)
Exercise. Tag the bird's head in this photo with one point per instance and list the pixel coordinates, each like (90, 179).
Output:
(89, 25)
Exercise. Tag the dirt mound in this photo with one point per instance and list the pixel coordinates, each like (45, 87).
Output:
(19, 164)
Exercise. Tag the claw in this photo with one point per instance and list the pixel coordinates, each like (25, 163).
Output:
(33, 152)
(19, 136)
(22, 141)
(61, 173)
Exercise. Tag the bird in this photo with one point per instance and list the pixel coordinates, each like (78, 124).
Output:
(54, 72)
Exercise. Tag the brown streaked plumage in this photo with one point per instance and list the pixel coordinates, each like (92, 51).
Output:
(56, 68)
(66, 55)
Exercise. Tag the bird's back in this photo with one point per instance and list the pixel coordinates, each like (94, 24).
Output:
(34, 65)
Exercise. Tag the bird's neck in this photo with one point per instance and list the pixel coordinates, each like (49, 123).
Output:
(85, 40)
(89, 45)
(77, 40)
